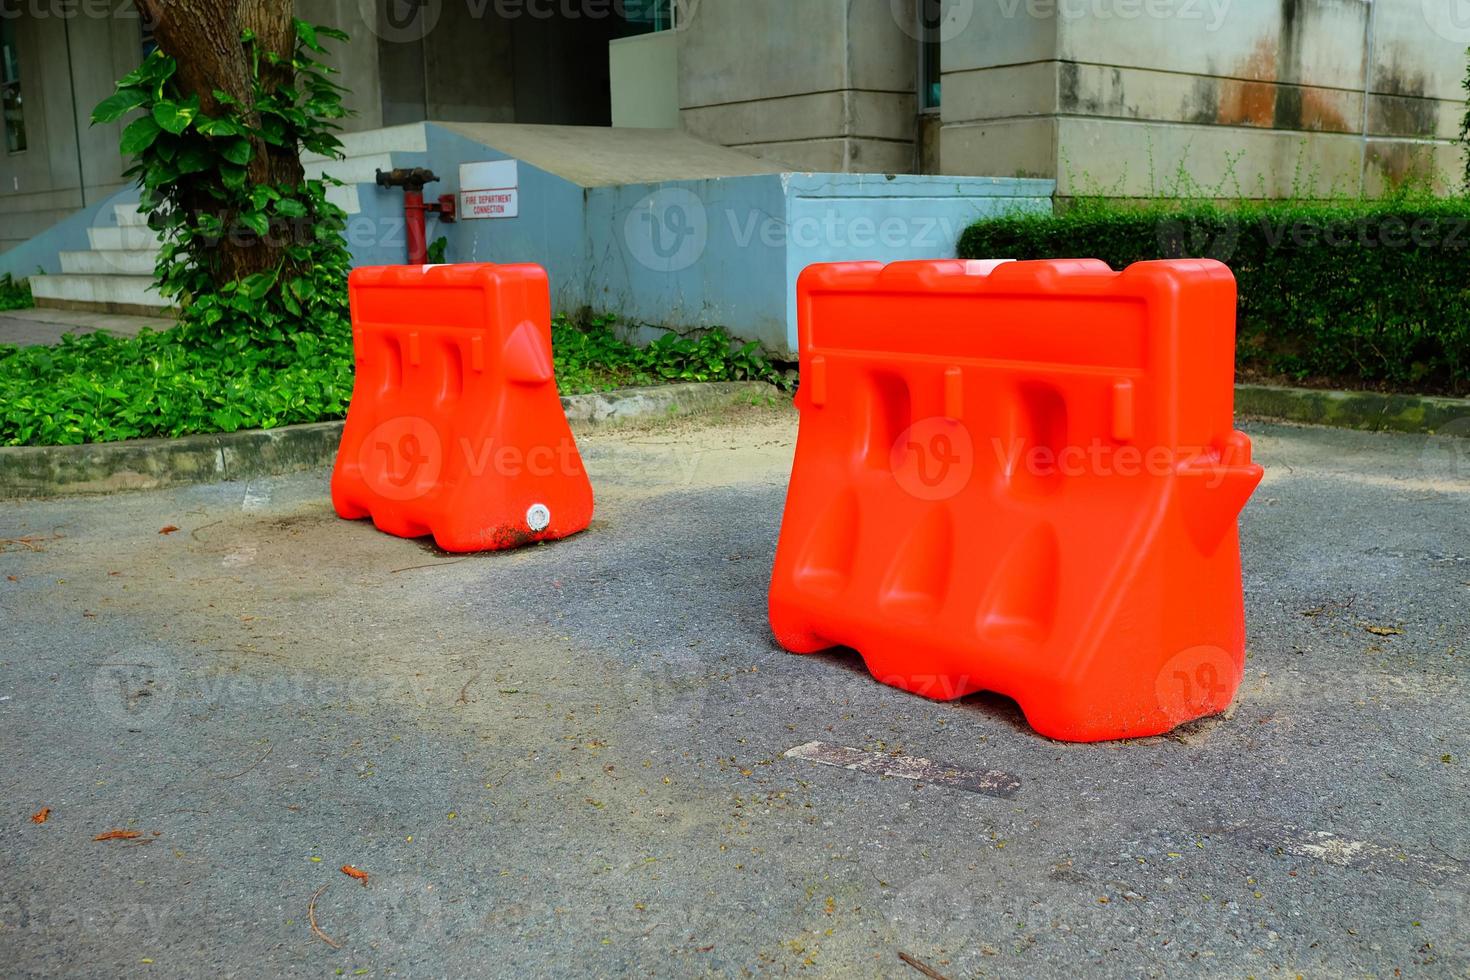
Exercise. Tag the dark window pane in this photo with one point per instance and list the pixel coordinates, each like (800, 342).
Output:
(12, 107)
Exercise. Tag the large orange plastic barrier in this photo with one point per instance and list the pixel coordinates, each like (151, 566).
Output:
(1022, 478)
(455, 427)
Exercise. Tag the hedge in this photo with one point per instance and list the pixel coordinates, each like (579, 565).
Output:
(1358, 294)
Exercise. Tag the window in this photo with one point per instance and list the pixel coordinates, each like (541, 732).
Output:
(648, 16)
(931, 17)
(11, 106)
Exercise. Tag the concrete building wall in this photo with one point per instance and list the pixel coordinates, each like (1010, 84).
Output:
(644, 71)
(70, 58)
(356, 61)
(1220, 97)
(819, 85)
(67, 164)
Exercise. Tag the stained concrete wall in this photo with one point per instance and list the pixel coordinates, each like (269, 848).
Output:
(818, 85)
(1253, 97)
(56, 173)
(644, 72)
(70, 58)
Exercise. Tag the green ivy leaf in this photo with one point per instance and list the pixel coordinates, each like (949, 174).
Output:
(174, 117)
(256, 222)
(237, 152)
(218, 127)
(119, 104)
(139, 135)
(193, 159)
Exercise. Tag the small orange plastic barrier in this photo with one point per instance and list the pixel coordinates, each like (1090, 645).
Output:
(1022, 478)
(455, 428)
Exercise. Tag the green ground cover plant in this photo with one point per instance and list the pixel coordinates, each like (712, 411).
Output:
(15, 294)
(1337, 293)
(100, 388)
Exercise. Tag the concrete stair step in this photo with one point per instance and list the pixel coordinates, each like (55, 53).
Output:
(103, 293)
(128, 215)
(110, 262)
(133, 237)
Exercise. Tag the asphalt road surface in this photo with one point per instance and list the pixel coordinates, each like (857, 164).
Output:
(572, 759)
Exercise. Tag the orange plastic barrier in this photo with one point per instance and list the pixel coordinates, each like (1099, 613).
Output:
(1022, 478)
(455, 427)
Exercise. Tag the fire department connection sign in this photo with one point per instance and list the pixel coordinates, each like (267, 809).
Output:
(489, 190)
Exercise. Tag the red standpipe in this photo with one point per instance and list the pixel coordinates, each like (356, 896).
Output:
(412, 180)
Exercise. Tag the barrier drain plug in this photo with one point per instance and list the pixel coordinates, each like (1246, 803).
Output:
(538, 517)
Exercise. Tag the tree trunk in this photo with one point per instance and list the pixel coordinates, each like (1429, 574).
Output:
(203, 36)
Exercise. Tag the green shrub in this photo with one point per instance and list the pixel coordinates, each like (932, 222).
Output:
(589, 357)
(15, 294)
(1355, 293)
(99, 388)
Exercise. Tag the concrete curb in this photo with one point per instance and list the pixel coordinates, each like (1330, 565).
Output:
(150, 464)
(1368, 410)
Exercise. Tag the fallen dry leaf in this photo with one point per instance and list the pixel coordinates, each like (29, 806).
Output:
(11, 578)
(41, 815)
(118, 835)
(1384, 630)
(170, 529)
(357, 873)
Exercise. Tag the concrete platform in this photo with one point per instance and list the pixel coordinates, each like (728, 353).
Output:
(45, 325)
